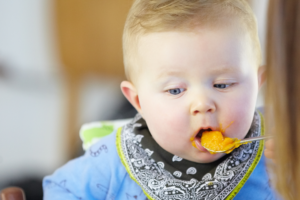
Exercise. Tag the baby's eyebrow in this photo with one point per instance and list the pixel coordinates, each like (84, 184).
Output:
(221, 70)
(169, 73)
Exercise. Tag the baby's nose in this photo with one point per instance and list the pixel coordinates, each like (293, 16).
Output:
(203, 105)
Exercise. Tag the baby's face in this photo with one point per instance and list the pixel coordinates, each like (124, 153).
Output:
(190, 81)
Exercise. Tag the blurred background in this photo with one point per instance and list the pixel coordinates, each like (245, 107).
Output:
(60, 66)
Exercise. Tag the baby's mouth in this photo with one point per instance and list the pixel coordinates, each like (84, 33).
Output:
(196, 140)
(199, 135)
(201, 131)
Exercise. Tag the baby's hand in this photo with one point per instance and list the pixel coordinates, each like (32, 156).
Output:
(269, 151)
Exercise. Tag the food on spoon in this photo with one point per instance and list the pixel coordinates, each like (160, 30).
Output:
(214, 140)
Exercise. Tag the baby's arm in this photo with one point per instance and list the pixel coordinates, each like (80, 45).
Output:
(73, 181)
(87, 177)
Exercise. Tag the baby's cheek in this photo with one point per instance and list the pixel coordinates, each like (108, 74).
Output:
(240, 116)
(170, 113)
(169, 129)
(172, 124)
(174, 119)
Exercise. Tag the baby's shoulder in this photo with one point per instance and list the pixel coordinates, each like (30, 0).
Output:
(103, 152)
(99, 173)
(99, 142)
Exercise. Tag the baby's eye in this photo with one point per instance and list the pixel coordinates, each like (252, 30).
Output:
(222, 86)
(176, 91)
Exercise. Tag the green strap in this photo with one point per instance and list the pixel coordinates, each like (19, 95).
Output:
(122, 156)
(254, 163)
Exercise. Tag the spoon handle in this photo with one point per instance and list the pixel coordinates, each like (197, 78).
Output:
(256, 138)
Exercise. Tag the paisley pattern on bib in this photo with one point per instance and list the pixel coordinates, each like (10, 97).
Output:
(159, 183)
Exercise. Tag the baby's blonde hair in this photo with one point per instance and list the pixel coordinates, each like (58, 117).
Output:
(146, 16)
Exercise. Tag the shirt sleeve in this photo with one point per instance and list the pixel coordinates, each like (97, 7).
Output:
(87, 177)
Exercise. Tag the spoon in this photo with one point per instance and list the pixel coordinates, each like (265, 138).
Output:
(244, 141)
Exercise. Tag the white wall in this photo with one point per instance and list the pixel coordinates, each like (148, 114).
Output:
(26, 35)
(31, 129)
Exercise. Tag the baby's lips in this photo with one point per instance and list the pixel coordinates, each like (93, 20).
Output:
(196, 142)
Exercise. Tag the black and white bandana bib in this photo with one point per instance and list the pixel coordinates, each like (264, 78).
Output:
(164, 176)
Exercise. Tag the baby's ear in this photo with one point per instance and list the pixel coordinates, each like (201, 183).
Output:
(131, 94)
(261, 74)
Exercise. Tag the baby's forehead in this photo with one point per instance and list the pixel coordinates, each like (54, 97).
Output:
(234, 29)
(201, 36)
(175, 52)
(147, 42)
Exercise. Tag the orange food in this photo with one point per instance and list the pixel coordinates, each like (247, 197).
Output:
(214, 140)
(193, 142)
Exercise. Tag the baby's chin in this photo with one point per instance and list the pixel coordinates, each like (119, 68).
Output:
(204, 157)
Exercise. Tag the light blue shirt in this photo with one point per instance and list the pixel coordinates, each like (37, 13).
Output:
(99, 174)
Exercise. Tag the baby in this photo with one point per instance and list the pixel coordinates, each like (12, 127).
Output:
(192, 66)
